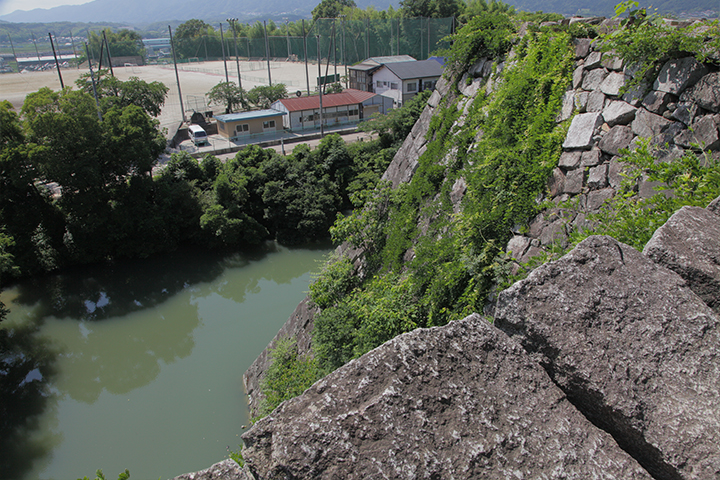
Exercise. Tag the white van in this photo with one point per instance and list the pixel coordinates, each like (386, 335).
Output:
(197, 135)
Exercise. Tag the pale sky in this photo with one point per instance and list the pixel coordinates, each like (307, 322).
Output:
(9, 6)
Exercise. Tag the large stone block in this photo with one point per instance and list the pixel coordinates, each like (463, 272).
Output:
(618, 113)
(706, 93)
(617, 138)
(461, 401)
(582, 129)
(657, 102)
(593, 79)
(689, 245)
(612, 84)
(225, 470)
(704, 133)
(678, 74)
(649, 125)
(633, 348)
(595, 101)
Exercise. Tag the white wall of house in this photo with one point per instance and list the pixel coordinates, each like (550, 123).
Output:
(388, 84)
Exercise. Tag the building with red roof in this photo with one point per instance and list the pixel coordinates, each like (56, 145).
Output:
(348, 107)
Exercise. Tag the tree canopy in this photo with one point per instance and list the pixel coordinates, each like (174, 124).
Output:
(331, 8)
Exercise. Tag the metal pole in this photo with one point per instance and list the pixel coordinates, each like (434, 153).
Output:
(36, 49)
(247, 42)
(322, 127)
(74, 50)
(397, 37)
(327, 68)
(334, 50)
(177, 77)
(367, 38)
(15, 56)
(307, 74)
(107, 47)
(57, 64)
(237, 60)
(428, 32)
(344, 57)
(222, 41)
(92, 78)
(287, 33)
(267, 52)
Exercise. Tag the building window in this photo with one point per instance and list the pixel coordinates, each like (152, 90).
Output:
(412, 87)
(243, 127)
(269, 124)
(428, 85)
(353, 112)
(393, 86)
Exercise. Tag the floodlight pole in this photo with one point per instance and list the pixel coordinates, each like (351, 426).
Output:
(322, 127)
(36, 49)
(222, 41)
(307, 73)
(107, 47)
(237, 60)
(92, 78)
(57, 64)
(177, 76)
(17, 64)
(267, 51)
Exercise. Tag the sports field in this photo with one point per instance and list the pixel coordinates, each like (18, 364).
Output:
(196, 79)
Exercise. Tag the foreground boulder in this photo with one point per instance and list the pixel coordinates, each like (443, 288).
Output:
(461, 401)
(632, 346)
(689, 245)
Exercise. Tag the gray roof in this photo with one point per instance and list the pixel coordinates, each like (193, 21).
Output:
(392, 59)
(418, 69)
(234, 117)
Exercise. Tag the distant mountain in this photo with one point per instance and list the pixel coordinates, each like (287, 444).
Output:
(141, 12)
(607, 7)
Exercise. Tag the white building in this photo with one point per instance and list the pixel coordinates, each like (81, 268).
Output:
(401, 81)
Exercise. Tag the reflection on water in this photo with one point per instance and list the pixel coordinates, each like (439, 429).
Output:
(137, 365)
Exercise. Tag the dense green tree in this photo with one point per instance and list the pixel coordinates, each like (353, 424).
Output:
(331, 8)
(432, 8)
(112, 92)
(263, 96)
(229, 94)
(123, 43)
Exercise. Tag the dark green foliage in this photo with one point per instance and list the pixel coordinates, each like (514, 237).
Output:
(228, 94)
(113, 92)
(484, 36)
(331, 8)
(99, 475)
(123, 43)
(397, 123)
(647, 43)
(288, 376)
(263, 96)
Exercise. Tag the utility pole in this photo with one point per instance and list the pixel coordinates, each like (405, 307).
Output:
(334, 50)
(36, 49)
(307, 74)
(344, 58)
(107, 47)
(267, 52)
(92, 78)
(74, 50)
(177, 76)
(322, 127)
(287, 33)
(222, 41)
(232, 23)
(57, 64)
(14, 55)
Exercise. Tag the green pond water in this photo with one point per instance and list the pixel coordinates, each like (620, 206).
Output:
(139, 365)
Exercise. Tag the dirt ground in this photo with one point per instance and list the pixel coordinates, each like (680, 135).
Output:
(196, 79)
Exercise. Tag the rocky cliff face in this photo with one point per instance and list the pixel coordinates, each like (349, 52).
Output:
(603, 364)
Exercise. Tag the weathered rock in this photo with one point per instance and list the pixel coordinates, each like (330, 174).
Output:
(457, 193)
(593, 60)
(582, 47)
(574, 181)
(689, 245)
(593, 79)
(612, 61)
(577, 77)
(590, 158)
(617, 138)
(619, 113)
(569, 159)
(706, 93)
(225, 470)
(553, 233)
(581, 101)
(518, 245)
(582, 129)
(405, 162)
(685, 112)
(615, 169)
(460, 401)
(704, 133)
(648, 124)
(556, 182)
(657, 102)
(597, 177)
(596, 198)
(595, 101)
(612, 84)
(678, 74)
(633, 348)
